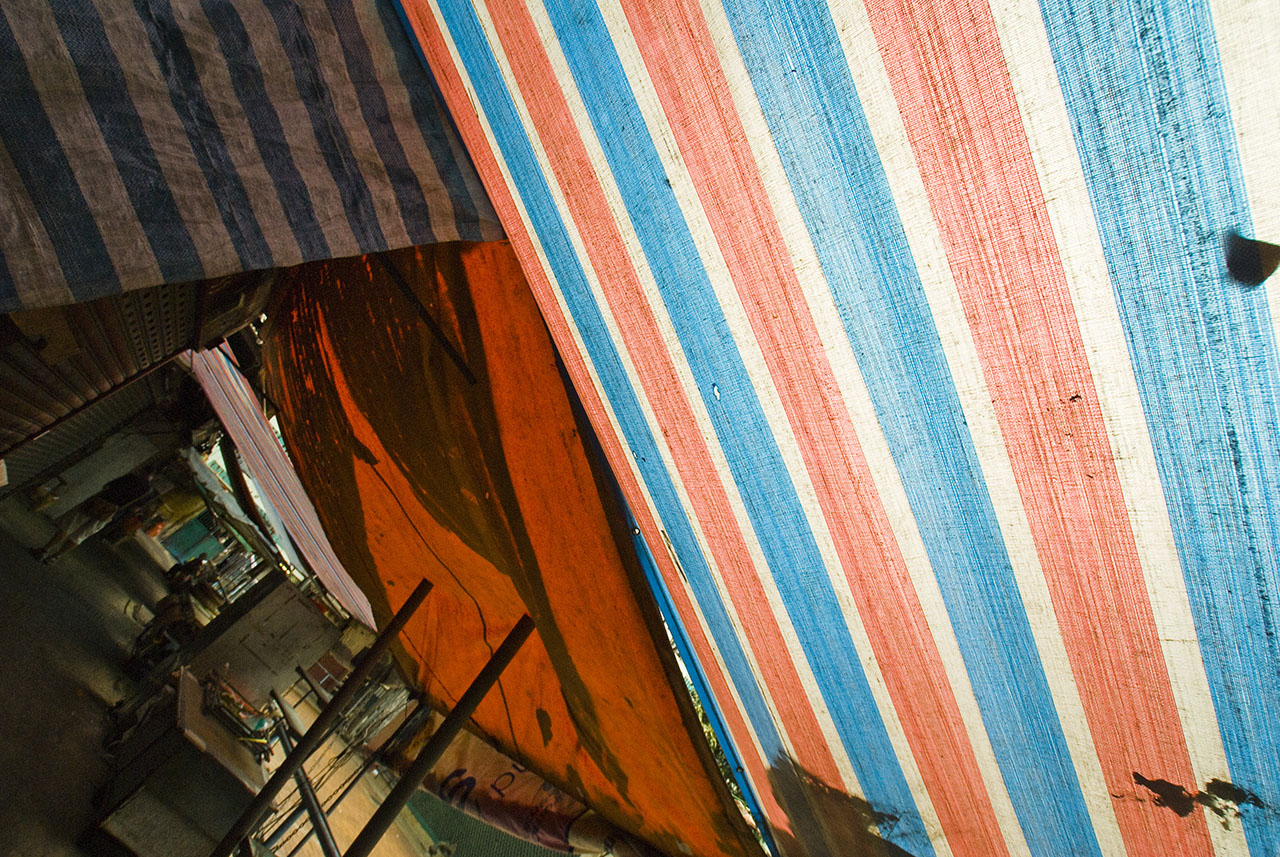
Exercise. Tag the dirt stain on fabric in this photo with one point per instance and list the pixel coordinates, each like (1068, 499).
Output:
(544, 724)
(827, 822)
(1224, 799)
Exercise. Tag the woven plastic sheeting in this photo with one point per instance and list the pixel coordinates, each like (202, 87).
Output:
(167, 141)
(907, 330)
(420, 394)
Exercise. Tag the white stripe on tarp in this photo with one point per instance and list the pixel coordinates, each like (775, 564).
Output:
(1048, 126)
(870, 434)
(1248, 48)
(874, 89)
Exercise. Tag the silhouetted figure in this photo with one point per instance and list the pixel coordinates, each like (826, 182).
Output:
(95, 513)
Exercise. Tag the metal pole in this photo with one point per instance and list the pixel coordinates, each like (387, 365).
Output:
(372, 760)
(436, 330)
(258, 807)
(307, 794)
(273, 841)
(435, 747)
(322, 696)
(295, 729)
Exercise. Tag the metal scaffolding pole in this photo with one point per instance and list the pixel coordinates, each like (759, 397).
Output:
(440, 739)
(322, 696)
(372, 760)
(258, 807)
(307, 795)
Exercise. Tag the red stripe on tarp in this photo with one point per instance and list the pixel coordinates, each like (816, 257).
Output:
(657, 374)
(958, 105)
(685, 69)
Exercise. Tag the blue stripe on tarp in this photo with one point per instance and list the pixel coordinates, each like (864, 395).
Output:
(47, 178)
(839, 183)
(189, 101)
(108, 97)
(693, 667)
(566, 267)
(373, 107)
(688, 656)
(264, 122)
(1144, 87)
(357, 201)
(777, 516)
(431, 114)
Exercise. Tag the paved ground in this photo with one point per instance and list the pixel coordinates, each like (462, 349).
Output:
(65, 629)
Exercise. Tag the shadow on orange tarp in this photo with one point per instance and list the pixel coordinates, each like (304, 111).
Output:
(468, 470)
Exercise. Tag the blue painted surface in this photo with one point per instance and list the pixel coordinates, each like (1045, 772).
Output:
(1143, 85)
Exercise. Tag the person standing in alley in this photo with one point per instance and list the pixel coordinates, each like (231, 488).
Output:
(76, 525)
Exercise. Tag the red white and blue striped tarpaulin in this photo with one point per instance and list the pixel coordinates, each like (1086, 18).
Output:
(906, 328)
(165, 141)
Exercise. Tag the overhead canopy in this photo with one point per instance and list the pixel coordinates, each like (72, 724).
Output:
(165, 141)
(242, 417)
(420, 395)
(906, 328)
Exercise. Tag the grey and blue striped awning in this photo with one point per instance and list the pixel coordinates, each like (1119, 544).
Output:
(163, 141)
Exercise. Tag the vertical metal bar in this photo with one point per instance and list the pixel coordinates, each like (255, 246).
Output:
(435, 747)
(373, 759)
(258, 807)
(322, 696)
(296, 729)
(436, 330)
(307, 794)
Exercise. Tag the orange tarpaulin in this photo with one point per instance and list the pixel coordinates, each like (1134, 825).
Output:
(468, 470)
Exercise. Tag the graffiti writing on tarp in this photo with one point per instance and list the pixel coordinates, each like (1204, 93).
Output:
(513, 799)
